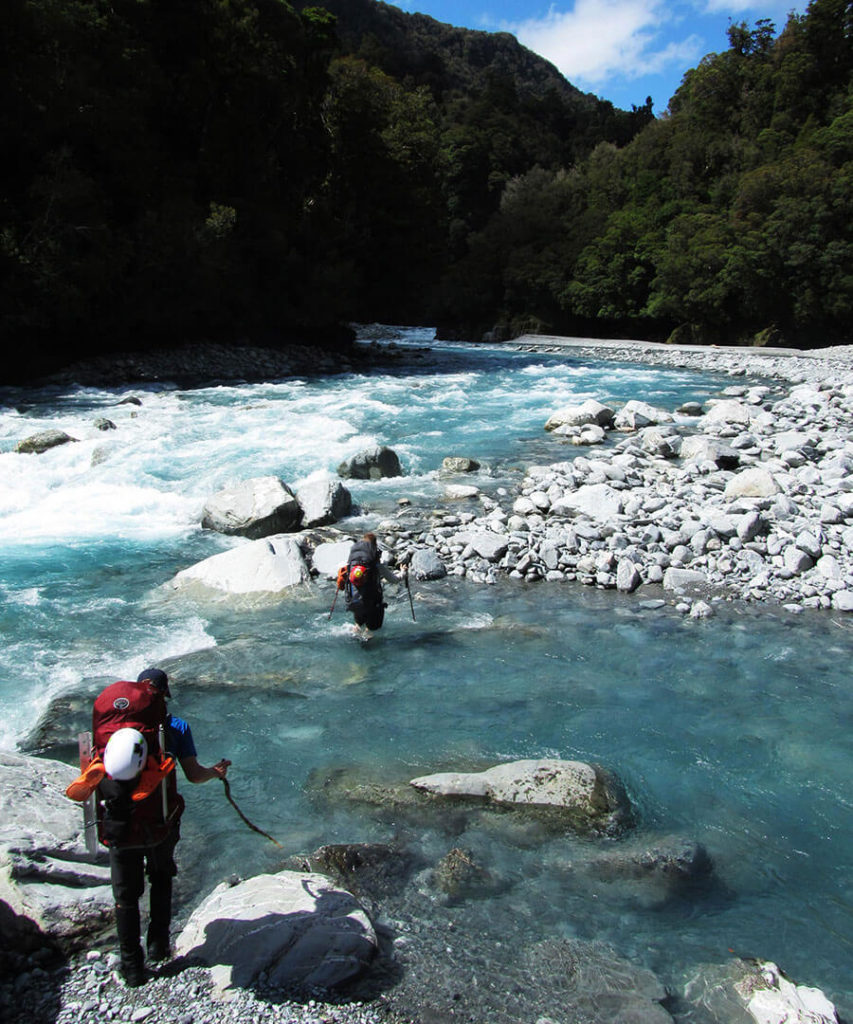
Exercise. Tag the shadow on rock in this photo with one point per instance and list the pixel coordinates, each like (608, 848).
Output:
(31, 972)
(286, 936)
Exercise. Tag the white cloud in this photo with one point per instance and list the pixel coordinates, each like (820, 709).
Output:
(732, 7)
(598, 40)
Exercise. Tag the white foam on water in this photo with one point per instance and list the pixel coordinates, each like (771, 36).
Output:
(300, 733)
(31, 675)
(28, 596)
(482, 620)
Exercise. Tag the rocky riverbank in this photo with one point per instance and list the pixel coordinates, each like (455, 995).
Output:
(206, 363)
(749, 496)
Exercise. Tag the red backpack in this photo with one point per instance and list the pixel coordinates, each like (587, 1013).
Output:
(142, 811)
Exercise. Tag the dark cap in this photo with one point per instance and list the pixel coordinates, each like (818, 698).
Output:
(158, 679)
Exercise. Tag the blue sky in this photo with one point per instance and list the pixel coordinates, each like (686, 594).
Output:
(621, 50)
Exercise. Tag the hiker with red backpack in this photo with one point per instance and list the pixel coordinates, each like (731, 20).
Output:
(135, 745)
(361, 581)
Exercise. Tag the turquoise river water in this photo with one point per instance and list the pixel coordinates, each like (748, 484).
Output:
(732, 731)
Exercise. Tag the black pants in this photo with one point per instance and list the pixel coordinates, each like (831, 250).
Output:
(370, 617)
(128, 868)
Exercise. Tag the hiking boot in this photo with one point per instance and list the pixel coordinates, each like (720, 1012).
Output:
(158, 948)
(157, 939)
(133, 974)
(131, 966)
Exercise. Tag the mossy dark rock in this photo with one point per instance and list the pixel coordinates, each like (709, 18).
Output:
(43, 441)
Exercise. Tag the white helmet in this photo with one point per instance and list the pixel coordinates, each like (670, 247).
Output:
(125, 754)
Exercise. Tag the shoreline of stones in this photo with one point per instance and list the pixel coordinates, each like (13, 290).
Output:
(747, 497)
(205, 364)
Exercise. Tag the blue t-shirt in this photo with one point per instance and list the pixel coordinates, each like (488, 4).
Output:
(179, 738)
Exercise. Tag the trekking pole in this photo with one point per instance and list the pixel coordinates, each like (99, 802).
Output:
(337, 589)
(254, 828)
(161, 735)
(409, 592)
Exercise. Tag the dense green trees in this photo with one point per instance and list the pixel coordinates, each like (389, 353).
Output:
(729, 218)
(255, 167)
(162, 162)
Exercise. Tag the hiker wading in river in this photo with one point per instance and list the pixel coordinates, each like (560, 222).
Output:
(361, 581)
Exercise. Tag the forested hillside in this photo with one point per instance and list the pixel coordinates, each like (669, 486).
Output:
(727, 220)
(249, 168)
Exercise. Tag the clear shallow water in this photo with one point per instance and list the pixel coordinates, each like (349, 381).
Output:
(733, 732)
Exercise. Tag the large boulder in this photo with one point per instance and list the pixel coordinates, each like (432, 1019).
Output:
(700, 448)
(459, 464)
(627, 576)
(298, 930)
(43, 441)
(754, 482)
(730, 412)
(636, 414)
(488, 545)
(323, 502)
(253, 508)
(589, 411)
(371, 464)
(459, 492)
(267, 566)
(589, 796)
(329, 556)
(47, 879)
(683, 579)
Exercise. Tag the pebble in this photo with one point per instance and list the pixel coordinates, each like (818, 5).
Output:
(75, 994)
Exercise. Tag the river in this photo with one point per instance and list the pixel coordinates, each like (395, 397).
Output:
(731, 732)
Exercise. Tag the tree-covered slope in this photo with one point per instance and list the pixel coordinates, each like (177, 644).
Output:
(247, 168)
(727, 220)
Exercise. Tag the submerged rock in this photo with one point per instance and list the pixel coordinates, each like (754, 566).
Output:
(458, 875)
(673, 859)
(589, 981)
(377, 868)
(590, 797)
